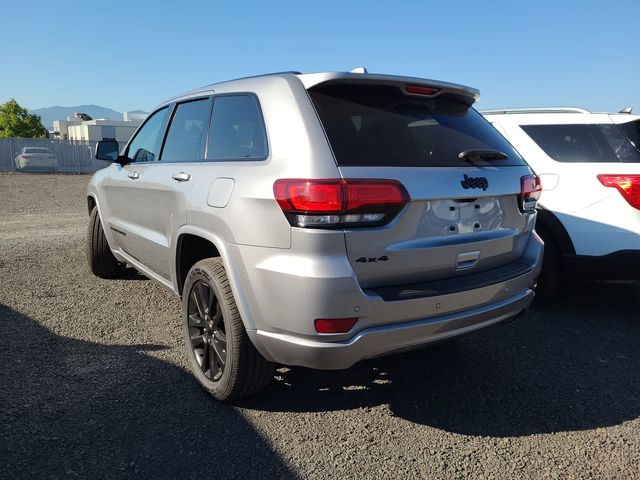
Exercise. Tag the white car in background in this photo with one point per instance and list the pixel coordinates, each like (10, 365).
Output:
(589, 165)
(36, 159)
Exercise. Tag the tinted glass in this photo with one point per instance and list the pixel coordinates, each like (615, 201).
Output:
(237, 129)
(632, 131)
(604, 143)
(187, 132)
(146, 144)
(382, 126)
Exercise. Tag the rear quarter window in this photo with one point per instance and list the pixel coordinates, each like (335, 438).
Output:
(237, 130)
(632, 131)
(596, 143)
(372, 125)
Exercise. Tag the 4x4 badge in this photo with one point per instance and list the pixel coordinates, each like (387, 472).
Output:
(475, 182)
(383, 258)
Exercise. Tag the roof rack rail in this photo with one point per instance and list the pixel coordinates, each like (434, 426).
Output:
(537, 110)
(211, 85)
(270, 74)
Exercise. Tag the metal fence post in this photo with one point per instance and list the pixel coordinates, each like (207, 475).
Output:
(12, 164)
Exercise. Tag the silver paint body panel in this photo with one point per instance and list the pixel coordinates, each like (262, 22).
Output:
(283, 277)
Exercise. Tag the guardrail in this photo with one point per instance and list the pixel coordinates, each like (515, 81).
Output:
(49, 155)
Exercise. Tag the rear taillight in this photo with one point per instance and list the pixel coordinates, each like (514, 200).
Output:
(26, 156)
(336, 203)
(530, 190)
(627, 185)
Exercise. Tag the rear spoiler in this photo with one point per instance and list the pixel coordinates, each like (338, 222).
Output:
(313, 80)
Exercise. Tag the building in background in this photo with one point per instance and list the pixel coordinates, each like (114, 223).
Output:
(100, 129)
(61, 128)
(135, 116)
(119, 130)
(103, 130)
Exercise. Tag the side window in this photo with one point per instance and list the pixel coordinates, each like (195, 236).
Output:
(146, 144)
(187, 132)
(597, 143)
(237, 131)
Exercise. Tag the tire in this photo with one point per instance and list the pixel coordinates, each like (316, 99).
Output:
(552, 274)
(101, 261)
(221, 355)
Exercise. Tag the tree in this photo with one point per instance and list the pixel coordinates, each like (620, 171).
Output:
(15, 121)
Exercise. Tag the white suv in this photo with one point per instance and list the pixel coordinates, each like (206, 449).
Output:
(589, 164)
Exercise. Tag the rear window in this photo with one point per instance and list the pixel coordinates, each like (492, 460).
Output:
(370, 125)
(37, 150)
(602, 143)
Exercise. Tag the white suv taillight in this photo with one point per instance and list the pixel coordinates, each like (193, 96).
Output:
(340, 203)
(530, 190)
(627, 185)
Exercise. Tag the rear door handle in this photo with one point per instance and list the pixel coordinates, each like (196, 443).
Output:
(133, 175)
(181, 177)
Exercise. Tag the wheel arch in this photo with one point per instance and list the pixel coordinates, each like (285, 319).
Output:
(216, 246)
(91, 203)
(190, 249)
(549, 223)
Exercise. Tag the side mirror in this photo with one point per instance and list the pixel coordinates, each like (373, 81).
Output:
(107, 150)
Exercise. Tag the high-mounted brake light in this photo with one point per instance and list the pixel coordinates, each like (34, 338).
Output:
(340, 203)
(418, 90)
(530, 190)
(627, 185)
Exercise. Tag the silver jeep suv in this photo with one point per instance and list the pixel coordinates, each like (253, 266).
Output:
(318, 220)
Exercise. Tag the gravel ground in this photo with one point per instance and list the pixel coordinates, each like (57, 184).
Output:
(95, 384)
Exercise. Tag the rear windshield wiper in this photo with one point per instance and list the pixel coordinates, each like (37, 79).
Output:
(475, 154)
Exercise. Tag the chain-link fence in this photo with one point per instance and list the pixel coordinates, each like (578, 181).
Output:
(48, 155)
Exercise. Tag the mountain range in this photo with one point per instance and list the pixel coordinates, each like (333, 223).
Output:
(49, 114)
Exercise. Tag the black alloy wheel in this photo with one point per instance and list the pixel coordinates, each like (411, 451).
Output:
(222, 358)
(207, 331)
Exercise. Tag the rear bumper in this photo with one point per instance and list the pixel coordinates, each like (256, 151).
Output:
(622, 265)
(37, 164)
(388, 339)
(289, 291)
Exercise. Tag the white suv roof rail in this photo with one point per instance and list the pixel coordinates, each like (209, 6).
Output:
(537, 110)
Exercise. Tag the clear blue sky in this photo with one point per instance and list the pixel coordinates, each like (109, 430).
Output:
(134, 54)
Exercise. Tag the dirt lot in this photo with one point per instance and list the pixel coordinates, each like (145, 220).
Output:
(94, 382)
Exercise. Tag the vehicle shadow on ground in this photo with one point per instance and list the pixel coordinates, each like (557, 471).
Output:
(76, 409)
(131, 273)
(571, 366)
